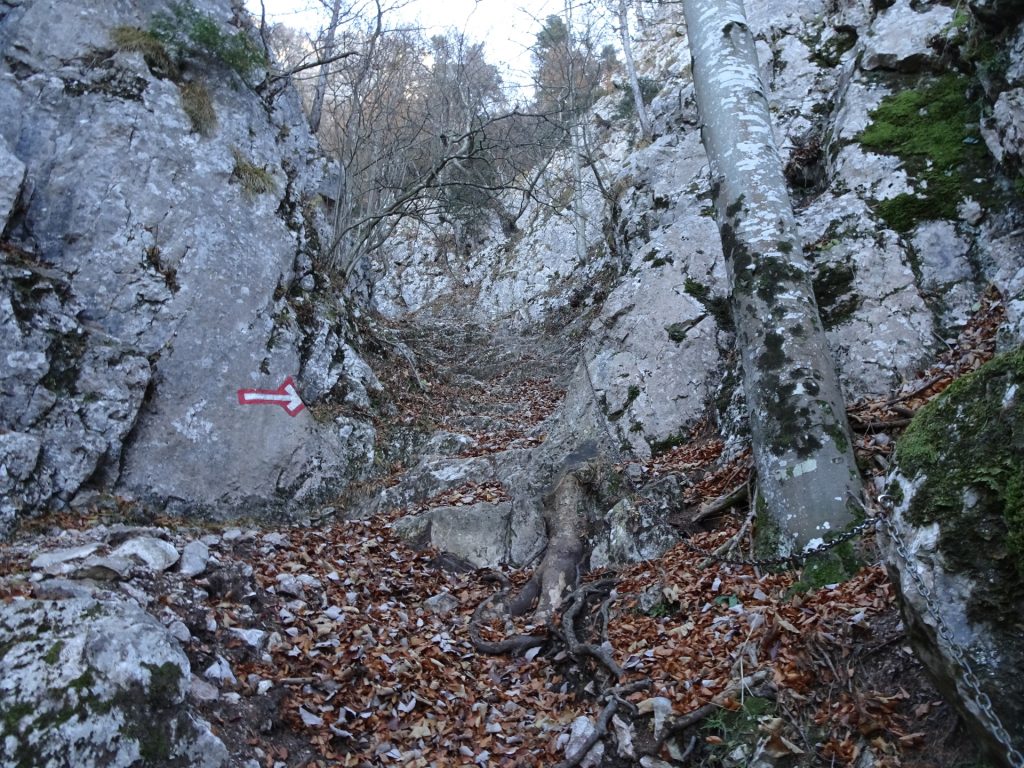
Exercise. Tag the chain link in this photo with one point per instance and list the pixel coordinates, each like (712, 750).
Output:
(980, 699)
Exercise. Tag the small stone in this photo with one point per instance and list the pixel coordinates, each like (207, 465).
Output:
(290, 585)
(179, 631)
(202, 691)
(157, 554)
(230, 535)
(194, 559)
(62, 589)
(220, 671)
(275, 539)
(254, 638)
(137, 594)
(50, 562)
(309, 581)
(970, 211)
(111, 568)
(442, 604)
(581, 731)
(263, 686)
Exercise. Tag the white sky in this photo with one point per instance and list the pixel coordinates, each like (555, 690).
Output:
(507, 27)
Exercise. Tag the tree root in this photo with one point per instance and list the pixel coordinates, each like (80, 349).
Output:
(513, 644)
(574, 604)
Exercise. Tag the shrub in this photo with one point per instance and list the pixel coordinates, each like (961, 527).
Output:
(626, 108)
(196, 101)
(254, 180)
(193, 33)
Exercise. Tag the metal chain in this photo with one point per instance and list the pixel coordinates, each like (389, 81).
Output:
(981, 699)
(795, 560)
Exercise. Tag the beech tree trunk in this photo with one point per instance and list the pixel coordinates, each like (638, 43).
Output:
(316, 110)
(801, 439)
(579, 220)
(634, 81)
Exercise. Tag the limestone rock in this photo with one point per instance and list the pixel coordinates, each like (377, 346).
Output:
(958, 515)
(194, 557)
(92, 684)
(899, 38)
(156, 554)
(69, 394)
(1004, 130)
(477, 533)
(634, 534)
(12, 174)
(149, 259)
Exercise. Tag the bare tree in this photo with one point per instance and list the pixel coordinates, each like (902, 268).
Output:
(316, 110)
(634, 81)
(801, 441)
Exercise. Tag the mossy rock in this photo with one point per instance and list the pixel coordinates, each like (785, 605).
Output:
(959, 567)
(933, 129)
(967, 449)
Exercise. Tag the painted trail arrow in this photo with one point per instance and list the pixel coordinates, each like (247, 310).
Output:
(286, 396)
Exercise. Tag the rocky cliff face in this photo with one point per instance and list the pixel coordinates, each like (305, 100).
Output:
(160, 223)
(903, 238)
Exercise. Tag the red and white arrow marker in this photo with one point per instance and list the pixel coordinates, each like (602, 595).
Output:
(286, 396)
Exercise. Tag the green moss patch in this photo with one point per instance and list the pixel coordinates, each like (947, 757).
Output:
(833, 290)
(717, 306)
(934, 129)
(967, 449)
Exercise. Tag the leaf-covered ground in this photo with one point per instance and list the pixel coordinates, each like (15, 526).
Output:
(347, 648)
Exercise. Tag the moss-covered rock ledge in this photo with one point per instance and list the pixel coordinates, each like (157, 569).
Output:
(91, 683)
(959, 488)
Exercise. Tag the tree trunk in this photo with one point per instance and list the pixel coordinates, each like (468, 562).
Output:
(316, 110)
(579, 220)
(634, 81)
(801, 440)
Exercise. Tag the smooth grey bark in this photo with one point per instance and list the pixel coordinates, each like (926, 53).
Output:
(634, 81)
(579, 220)
(316, 110)
(801, 439)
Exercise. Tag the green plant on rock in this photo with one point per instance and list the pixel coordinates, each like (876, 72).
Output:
(736, 729)
(254, 179)
(190, 32)
(934, 130)
(626, 108)
(149, 45)
(198, 105)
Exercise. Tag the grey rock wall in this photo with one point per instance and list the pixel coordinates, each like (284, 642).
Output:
(176, 277)
(657, 348)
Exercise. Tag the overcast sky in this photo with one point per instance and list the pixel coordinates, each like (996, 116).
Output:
(507, 27)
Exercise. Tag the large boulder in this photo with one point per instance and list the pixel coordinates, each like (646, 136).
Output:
(959, 515)
(178, 211)
(96, 684)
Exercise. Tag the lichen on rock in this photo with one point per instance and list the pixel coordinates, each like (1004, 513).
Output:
(95, 683)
